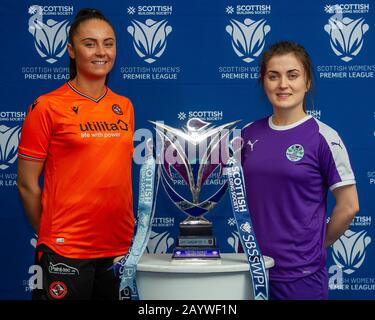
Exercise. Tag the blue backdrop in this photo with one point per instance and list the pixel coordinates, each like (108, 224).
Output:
(205, 65)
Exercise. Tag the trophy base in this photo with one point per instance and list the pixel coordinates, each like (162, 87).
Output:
(195, 228)
(199, 253)
(194, 241)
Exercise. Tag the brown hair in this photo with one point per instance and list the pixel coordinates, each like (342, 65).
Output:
(82, 16)
(285, 47)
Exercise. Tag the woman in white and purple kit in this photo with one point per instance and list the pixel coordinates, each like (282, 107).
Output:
(290, 161)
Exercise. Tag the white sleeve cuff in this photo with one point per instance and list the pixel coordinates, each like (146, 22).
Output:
(341, 184)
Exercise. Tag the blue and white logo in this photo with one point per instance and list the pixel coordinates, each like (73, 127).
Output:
(235, 242)
(131, 10)
(9, 141)
(231, 222)
(346, 36)
(181, 115)
(229, 10)
(149, 38)
(159, 242)
(349, 251)
(50, 38)
(248, 38)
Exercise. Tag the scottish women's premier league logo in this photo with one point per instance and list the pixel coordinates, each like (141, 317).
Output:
(149, 38)
(50, 38)
(248, 38)
(192, 161)
(346, 36)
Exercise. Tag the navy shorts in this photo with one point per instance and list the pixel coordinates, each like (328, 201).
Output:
(76, 279)
(312, 287)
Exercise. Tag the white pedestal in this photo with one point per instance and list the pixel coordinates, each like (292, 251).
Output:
(160, 279)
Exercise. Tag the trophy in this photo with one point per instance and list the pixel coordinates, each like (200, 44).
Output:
(192, 161)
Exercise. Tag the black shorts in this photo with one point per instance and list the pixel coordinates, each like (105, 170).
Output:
(75, 279)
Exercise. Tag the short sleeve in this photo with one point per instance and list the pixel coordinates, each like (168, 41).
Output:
(334, 159)
(36, 132)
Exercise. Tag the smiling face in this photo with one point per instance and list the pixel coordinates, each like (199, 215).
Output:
(93, 49)
(285, 82)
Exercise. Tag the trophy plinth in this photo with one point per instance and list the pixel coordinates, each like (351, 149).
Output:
(196, 240)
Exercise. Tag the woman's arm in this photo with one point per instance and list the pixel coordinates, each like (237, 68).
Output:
(343, 213)
(29, 189)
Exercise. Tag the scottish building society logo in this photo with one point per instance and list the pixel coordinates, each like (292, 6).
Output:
(51, 37)
(9, 140)
(150, 37)
(248, 35)
(349, 251)
(346, 34)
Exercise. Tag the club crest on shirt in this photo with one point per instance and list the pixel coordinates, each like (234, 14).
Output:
(116, 109)
(295, 152)
(58, 289)
(75, 109)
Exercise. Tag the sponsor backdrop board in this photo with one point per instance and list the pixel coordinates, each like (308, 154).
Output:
(178, 60)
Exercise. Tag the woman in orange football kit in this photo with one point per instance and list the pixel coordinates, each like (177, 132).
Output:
(80, 135)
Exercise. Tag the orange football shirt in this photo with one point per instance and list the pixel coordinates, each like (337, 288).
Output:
(87, 147)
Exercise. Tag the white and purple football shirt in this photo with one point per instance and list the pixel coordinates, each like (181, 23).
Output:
(288, 171)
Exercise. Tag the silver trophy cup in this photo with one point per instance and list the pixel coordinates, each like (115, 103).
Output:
(192, 160)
